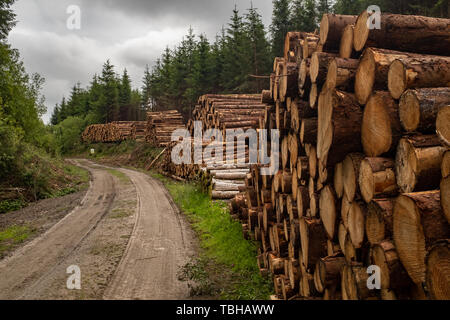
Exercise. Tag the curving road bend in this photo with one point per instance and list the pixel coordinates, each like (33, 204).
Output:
(160, 242)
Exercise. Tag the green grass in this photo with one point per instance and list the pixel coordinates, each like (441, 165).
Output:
(11, 205)
(12, 236)
(222, 240)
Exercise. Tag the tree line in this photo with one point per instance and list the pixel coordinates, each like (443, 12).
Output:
(239, 60)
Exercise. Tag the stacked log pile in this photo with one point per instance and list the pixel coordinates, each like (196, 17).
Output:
(364, 119)
(161, 125)
(221, 179)
(113, 132)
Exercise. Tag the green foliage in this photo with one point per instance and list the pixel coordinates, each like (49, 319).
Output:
(68, 134)
(11, 205)
(7, 17)
(13, 236)
(281, 24)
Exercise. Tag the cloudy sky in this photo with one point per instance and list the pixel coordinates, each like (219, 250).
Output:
(131, 33)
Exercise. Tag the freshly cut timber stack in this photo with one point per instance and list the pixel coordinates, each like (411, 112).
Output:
(161, 125)
(114, 131)
(364, 120)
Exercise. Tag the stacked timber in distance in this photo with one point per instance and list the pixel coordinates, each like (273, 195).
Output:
(161, 125)
(114, 132)
(364, 179)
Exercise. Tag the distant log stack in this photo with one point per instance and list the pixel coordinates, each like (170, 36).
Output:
(364, 162)
(161, 125)
(114, 132)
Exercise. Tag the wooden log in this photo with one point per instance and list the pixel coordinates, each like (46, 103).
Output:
(328, 272)
(379, 220)
(319, 67)
(341, 74)
(418, 108)
(356, 225)
(328, 212)
(373, 70)
(346, 46)
(313, 96)
(331, 29)
(339, 180)
(304, 80)
(339, 122)
(266, 97)
(438, 266)
(418, 223)
(288, 82)
(445, 197)
(442, 126)
(381, 129)
(313, 241)
(303, 201)
(393, 274)
(310, 46)
(445, 167)
(377, 178)
(308, 131)
(404, 33)
(424, 72)
(303, 168)
(351, 167)
(418, 163)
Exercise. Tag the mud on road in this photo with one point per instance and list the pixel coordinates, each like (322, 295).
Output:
(127, 237)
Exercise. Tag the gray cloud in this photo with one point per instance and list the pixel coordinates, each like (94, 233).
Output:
(131, 33)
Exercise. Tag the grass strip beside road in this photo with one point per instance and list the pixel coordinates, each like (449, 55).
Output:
(236, 272)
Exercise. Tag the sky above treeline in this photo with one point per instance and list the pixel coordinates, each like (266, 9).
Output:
(131, 33)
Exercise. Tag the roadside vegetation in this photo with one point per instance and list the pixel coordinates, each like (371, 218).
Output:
(227, 264)
(13, 236)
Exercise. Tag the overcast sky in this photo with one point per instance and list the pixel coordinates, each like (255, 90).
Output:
(131, 33)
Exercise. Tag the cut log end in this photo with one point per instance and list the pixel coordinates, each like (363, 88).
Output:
(346, 46)
(361, 31)
(365, 77)
(409, 111)
(397, 83)
(438, 270)
(443, 125)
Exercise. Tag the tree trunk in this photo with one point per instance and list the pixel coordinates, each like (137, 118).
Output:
(328, 213)
(346, 46)
(442, 125)
(319, 67)
(351, 167)
(328, 271)
(356, 225)
(313, 241)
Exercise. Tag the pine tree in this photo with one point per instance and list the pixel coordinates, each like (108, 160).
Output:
(7, 17)
(280, 25)
(236, 66)
(146, 88)
(54, 120)
(259, 52)
(323, 6)
(110, 86)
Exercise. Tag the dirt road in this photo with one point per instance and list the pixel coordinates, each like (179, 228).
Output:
(127, 237)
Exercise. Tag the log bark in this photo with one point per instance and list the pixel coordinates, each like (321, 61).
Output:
(308, 131)
(404, 33)
(377, 178)
(445, 168)
(445, 197)
(426, 72)
(288, 81)
(381, 128)
(418, 108)
(418, 223)
(418, 163)
(379, 220)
